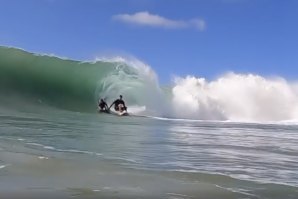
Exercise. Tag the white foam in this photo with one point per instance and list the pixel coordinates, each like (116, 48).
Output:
(62, 150)
(41, 145)
(34, 144)
(77, 151)
(236, 190)
(136, 109)
(49, 147)
(179, 195)
(123, 159)
(235, 97)
(3, 166)
(43, 158)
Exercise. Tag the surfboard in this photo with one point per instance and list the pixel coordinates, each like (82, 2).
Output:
(123, 113)
(118, 113)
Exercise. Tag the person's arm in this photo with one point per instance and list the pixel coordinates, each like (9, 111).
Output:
(112, 104)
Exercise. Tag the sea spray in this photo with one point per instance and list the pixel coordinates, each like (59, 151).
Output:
(236, 97)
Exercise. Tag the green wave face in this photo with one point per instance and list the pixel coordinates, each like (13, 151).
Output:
(67, 84)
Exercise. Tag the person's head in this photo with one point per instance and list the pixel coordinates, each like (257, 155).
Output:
(120, 96)
(101, 100)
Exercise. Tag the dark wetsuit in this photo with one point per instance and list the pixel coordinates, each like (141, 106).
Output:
(117, 102)
(103, 105)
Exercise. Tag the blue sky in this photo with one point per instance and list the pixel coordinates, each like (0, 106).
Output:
(204, 38)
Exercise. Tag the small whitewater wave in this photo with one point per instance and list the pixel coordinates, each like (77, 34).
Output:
(63, 150)
(3, 166)
(51, 148)
(43, 157)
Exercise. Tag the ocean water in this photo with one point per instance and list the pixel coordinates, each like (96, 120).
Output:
(206, 144)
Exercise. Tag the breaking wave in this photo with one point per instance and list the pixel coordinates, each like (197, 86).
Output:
(75, 85)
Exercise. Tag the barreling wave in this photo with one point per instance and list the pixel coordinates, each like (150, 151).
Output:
(75, 85)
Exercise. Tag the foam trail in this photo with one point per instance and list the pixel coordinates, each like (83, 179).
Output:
(236, 97)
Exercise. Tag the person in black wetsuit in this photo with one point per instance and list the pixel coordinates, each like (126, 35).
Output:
(118, 104)
(103, 106)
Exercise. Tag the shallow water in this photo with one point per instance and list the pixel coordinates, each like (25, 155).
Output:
(55, 153)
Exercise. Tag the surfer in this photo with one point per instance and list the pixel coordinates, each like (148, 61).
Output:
(119, 104)
(103, 106)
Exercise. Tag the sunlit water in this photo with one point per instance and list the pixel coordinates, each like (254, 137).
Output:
(71, 154)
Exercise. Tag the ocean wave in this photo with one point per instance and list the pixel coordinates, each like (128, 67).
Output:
(77, 86)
